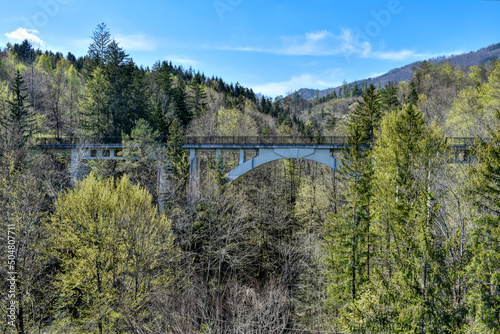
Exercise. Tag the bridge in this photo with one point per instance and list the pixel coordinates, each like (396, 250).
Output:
(253, 151)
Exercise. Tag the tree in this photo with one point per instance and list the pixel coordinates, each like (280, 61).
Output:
(485, 243)
(22, 244)
(74, 88)
(98, 49)
(116, 72)
(349, 239)
(114, 250)
(389, 96)
(414, 286)
(178, 163)
(181, 110)
(55, 95)
(143, 156)
(94, 105)
(19, 121)
(198, 96)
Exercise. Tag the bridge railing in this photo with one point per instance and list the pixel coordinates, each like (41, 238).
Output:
(264, 140)
(209, 140)
(229, 140)
(461, 141)
(49, 141)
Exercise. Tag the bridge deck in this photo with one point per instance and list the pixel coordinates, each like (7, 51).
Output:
(216, 142)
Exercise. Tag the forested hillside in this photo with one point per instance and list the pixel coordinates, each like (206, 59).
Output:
(396, 240)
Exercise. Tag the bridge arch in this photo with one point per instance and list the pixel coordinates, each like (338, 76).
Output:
(322, 156)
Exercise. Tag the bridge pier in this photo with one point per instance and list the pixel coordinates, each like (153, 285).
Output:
(243, 157)
(75, 166)
(194, 176)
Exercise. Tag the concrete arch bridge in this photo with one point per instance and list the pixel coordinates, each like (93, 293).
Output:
(253, 151)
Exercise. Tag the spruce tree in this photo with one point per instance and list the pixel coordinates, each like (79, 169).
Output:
(389, 98)
(349, 238)
(181, 110)
(19, 121)
(412, 274)
(197, 103)
(485, 241)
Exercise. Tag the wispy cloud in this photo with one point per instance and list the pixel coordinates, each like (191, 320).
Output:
(136, 42)
(22, 33)
(184, 61)
(324, 43)
(295, 83)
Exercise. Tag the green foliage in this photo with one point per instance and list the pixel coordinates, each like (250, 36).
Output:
(233, 122)
(349, 239)
(485, 243)
(19, 121)
(389, 97)
(95, 105)
(113, 250)
(144, 156)
(177, 158)
(21, 214)
(414, 274)
(197, 99)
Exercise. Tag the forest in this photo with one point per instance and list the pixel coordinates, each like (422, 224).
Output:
(396, 240)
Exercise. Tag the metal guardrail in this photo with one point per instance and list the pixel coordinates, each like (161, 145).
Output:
(229, 140)
(265, 140)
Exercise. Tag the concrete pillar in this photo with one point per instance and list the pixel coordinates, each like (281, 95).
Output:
(75, 166)
(242, 156)
(194, 176)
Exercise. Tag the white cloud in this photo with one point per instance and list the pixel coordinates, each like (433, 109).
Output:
(324, 43)
(21, 34)
(316, 36)
(394, 55)
(295, 83)
(184, 61)
(374, 75)
(136, 42)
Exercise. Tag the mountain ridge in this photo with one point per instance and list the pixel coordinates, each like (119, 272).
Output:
(404, 73)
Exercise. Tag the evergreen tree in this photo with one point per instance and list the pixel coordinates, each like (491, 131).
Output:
(19, 121)
(349, 239)
(413, 280)
(98, 49)
(412, 97)
(197, 98)
(177, 158)
(389, 97)
(485, 243)
(118, 72)
(95, 106)
(181, 110)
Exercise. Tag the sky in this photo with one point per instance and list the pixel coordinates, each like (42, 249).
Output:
(274, 47)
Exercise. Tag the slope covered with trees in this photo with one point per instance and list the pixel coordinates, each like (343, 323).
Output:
(395, 240)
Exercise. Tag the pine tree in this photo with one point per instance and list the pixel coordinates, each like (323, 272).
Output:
(19, 121)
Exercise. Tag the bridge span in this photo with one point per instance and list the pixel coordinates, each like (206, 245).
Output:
(253, 151)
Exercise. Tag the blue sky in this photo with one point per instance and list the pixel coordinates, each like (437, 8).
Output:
(274, 47)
